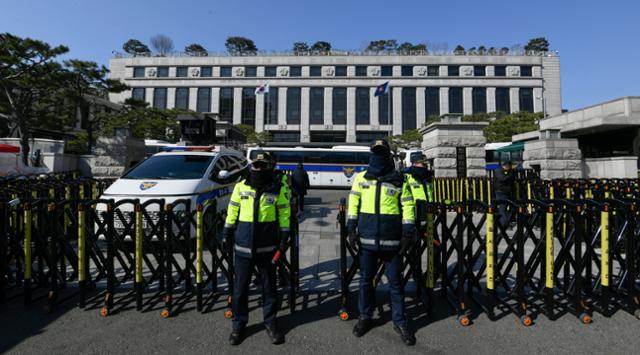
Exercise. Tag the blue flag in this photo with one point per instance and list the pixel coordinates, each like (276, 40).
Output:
(382, 89)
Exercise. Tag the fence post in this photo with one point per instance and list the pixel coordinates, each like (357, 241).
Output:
(604, 259)
(549, 259)
(82, 272)
(199, 241)
(27, 253)
(139, 280)
(490, 250)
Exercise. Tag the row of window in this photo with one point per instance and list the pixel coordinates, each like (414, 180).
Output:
(339, 70)
(339, 103)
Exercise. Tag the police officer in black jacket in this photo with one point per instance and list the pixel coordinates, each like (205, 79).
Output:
(504, 180)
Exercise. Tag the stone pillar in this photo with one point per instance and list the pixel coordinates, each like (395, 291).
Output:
(193, 98)
(260, 99)
(237, 106)
(304, 115)
(282, 106)
(397, 110)
(215, 100)
(537, 100)
(444, 100)
(171, 98)
(467, 102)
(556, 158)
(148, 96)
(514, 99)
(351, 115)
(373, 108)
(491, 99)
(421, 110)
(328, 106)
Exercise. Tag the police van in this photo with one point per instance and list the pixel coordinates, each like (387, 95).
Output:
(199, 174)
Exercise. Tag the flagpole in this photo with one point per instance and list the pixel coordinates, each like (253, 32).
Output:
(389, 121)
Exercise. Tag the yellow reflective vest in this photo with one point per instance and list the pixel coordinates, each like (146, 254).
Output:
(419, 190)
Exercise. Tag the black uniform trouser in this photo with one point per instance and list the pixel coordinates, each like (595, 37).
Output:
(503, 218)
(244, 267)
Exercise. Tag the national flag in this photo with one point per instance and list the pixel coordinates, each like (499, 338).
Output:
(382, 89)
(262, 89)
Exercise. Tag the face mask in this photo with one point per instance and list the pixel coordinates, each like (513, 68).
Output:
(418, 172)
(380, 165)
(261, 178)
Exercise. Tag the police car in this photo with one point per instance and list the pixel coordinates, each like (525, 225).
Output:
(199, 174)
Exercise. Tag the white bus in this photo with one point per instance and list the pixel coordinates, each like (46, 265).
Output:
(327, 167)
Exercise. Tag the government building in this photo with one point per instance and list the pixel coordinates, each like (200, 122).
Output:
(330, 98)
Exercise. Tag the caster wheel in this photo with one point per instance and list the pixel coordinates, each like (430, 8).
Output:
(228, 314)
(637, 313)
(343, 315)
(465, 321)
(585, 318)
(229, 300)
(526, 321)
(104, 311)
(165, 313)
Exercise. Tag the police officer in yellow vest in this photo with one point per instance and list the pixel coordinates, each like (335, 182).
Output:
(258, 217)
(381, 224)
(419, 178)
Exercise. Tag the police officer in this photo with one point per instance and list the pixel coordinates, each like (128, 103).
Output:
(258, 217)
(381, 225)
(420, 178)
(504, 180)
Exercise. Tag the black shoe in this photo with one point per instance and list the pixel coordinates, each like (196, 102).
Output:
(407, 337)
(362, 327)
(236, 337)
(275, 336)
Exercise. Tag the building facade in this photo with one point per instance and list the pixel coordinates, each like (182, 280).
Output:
(331, 98)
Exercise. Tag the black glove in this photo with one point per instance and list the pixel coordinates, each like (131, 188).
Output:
(407, 241)
(284, 240)
(227, 237)
(352, 238)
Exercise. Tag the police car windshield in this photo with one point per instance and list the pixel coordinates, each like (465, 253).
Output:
(171, 167)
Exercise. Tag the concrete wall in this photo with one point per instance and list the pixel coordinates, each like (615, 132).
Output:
(557, 158)
(615, 113)
(114, 156)
(613, 167)
(60, 162)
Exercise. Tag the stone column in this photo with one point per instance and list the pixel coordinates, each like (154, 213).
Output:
(397, 110)
(282, 106)
(556, 158)
(537, 100)
(237, 106)
(148, 96)
(421, 110)
(467, 101)
(351, 115)
(444, 100)
(260, 99)
(193, 98)
(215, 100)
(328, 106)
(491, 99)
(171, 98)
(304, 115)
(373, 108)
(514, 99)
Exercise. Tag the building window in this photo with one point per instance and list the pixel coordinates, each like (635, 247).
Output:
(408, 108)
(455, 100)
(479, 70)
(163, 72)
(182, 98)
(526, 100)
(250, 72)
(206, 72)
(339, 105)
(361, 70)
(203, 102)
(341, 70)
(386, 70)
(286, 136)
(453, 70)
(503, 104)
(225, 72)
(293, 105)
(271, 106)
(385, 108)
(295, 71)
(362, 105)
(248, 106)
(160, 98)
(138, 94)
(270, 71)
(433, 70)
(432, 102)
(138, 72)
(525, 70)
(479, 100)
(226, 104)
(407, 70)
(316, 106)
(368, 137)
(500, 70)
(315, 70)
(181, 72)
(328, 136)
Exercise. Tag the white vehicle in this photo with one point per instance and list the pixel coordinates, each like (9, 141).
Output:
(406, 159)
(327, 167)
(199, 174)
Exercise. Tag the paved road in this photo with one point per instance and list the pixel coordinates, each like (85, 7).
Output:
(314, 328)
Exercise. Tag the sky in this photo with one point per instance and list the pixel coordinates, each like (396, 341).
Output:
(596, 40)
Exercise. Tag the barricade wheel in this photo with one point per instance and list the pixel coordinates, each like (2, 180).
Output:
(465, 321)
(229, 300)
(585, 318)
(637, 313)
(228, 314)
(104, 311)
(526, 321)
(165, 313)
(344, 315)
